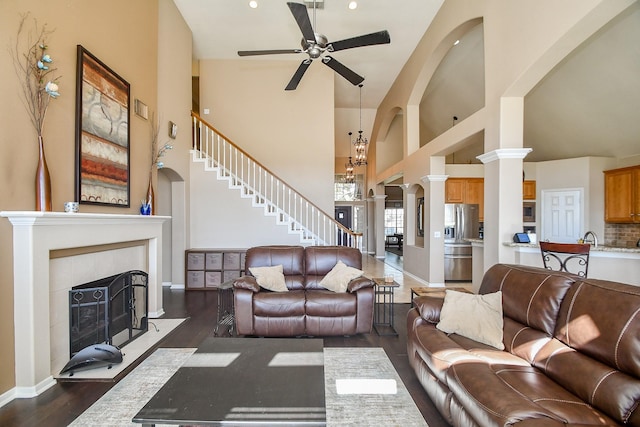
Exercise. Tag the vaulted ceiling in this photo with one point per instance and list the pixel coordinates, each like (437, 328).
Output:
(589, 105)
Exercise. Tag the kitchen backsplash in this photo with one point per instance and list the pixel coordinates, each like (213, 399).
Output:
(623, 235)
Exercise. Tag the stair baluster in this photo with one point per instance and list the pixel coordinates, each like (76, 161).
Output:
(266, 190)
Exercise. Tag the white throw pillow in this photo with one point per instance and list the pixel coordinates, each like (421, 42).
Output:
(270, 278)
(478, 317)
(339, 277)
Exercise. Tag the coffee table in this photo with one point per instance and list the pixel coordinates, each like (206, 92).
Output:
(244, 381)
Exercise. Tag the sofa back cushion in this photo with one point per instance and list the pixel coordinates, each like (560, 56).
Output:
(319, 260)
(290, 257)
(596, 354)
(531, 299)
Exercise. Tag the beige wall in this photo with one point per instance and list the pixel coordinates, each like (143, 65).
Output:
(289, 132)
(122, 34)
(174, 104)
(523, 41)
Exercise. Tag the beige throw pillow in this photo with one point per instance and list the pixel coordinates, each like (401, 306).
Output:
(270, 278)
(478, 317)
(339, 277)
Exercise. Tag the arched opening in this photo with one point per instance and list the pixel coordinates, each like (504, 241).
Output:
(456, 89)
(171, 201)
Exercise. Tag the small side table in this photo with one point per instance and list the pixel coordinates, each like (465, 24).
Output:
(383, 310)
(226, 318)
(434, 291)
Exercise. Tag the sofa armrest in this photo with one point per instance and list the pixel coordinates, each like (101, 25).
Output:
(359, 283)
(247, 282)
(429, 307)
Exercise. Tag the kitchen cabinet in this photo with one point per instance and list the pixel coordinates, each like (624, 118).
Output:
(529, 190)
(454, 190)
(622, 195)
(466, 190)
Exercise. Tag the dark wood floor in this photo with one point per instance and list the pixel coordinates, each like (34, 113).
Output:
(63, 402)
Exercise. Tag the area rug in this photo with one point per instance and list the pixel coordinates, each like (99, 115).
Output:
(379, 397)
(158, 329)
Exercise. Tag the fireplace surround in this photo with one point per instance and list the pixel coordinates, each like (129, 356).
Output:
(41, 301)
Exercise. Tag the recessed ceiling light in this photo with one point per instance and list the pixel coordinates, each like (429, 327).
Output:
(455, 43)
(253, 4)
(353, 5)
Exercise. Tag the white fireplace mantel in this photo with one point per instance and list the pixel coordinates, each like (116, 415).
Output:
(35, 235)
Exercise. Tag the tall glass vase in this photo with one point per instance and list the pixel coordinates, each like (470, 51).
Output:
(43, 180)
(151, 199)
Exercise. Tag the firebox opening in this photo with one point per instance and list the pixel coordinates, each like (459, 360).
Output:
(111, 310)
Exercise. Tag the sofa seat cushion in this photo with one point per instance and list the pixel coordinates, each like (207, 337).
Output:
(439, 351)
(504, 395)
(326, 303)
(279, 304)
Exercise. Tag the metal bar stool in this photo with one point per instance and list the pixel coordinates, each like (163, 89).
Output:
(570, 257)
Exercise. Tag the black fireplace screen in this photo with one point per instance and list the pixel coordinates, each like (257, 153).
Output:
(111, 310)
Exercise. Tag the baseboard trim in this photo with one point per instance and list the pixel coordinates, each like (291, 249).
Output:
(26, 392)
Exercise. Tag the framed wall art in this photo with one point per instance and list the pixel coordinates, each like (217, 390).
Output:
(102, 133)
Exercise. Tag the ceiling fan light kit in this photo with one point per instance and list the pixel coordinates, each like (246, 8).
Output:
(316, 45)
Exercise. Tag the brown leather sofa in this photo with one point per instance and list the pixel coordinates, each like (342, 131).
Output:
(306, 309)
(571, 357)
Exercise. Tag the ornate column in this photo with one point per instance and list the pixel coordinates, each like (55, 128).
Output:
(379, 205)
(502, 201)
(434, 227)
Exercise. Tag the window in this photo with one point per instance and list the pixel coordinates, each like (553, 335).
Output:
(347, 192)
(393, 221)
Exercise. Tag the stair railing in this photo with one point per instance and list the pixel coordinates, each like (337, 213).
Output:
(258, 182)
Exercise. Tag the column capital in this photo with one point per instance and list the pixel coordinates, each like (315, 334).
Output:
(380, 197)
(434, 178)
(504, 153)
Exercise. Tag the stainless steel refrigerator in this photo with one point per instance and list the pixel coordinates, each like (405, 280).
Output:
(460, 223)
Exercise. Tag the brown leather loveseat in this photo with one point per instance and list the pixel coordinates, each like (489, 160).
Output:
(571, 354)
(306, 309)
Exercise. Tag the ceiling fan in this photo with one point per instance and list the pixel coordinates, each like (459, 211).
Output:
(316, 44)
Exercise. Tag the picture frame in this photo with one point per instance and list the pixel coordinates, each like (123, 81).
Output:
(420, 217)
(102, 133)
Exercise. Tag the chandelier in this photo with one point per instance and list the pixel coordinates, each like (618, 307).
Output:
(349, 176)
(361, 142)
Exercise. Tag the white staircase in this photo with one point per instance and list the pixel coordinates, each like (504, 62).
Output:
(266, 191)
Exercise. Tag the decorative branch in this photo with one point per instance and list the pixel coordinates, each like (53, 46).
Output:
(156, 153)
(34, 70)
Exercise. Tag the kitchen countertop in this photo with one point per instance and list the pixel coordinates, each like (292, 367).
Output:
(599, 248)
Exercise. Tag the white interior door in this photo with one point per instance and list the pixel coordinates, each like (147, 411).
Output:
(562, 215)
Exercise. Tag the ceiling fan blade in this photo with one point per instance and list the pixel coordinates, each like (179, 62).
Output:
(301, 16)
(381, 37)
(293, 83)
(267, 52)
(343, 70)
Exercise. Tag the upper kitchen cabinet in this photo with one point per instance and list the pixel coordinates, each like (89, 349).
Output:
(529, 190)
(622, 195)
(454, 190)
(466, 190)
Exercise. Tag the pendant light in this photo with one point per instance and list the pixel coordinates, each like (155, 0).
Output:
(361, 142)
(349, 176)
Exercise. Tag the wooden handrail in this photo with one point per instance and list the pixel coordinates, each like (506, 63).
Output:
(253, 159)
